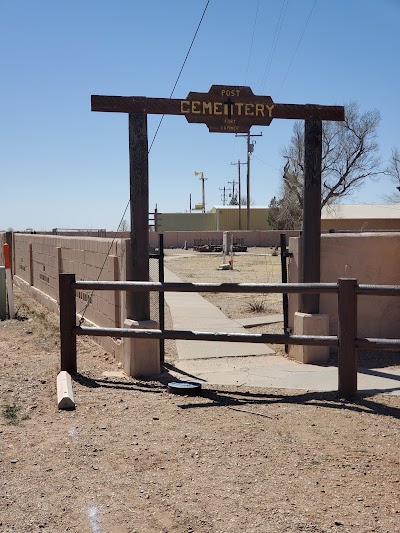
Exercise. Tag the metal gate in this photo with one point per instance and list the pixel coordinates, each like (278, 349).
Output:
(157, 300)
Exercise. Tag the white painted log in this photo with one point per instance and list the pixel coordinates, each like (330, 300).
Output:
(65, 395)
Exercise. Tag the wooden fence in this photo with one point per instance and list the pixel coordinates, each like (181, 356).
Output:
(346, 341)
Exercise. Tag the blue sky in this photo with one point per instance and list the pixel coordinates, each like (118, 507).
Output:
(62, 165)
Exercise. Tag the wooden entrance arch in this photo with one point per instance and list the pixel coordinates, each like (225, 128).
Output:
(224, 109)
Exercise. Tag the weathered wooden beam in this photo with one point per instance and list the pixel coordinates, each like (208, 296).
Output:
(279, 288)
(267, 338)
(67, 322)
(366, 343)
(347, 360)
(138, 305)
(173, 106)
(311, 237)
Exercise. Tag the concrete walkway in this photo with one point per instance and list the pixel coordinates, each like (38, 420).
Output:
(250, 364)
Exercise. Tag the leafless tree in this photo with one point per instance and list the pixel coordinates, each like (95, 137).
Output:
(124, 226)
(393, 171)
(349, 157)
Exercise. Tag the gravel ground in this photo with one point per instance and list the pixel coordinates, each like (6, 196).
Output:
(134, 458)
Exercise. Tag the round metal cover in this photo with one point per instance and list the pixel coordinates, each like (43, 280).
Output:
(188, 388)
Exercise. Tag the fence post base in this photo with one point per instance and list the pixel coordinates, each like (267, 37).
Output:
(141, 357)
(310, 324)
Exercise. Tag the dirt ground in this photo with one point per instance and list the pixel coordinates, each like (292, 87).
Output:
(134, 458)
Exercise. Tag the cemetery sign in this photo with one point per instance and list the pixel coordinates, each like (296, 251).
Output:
(224, 109)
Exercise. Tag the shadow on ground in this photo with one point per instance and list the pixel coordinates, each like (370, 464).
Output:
(242, 400)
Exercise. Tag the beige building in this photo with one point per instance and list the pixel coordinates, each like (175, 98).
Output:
(340, 217)
(219, 218)
(361, 217)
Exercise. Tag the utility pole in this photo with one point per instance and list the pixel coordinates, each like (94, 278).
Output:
(250, 148)
(223, 197)
(238, 164)
(233, 187)
(203, 179)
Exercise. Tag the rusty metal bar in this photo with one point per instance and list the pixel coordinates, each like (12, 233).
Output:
(270, 338)
(278, 288)
(347, 360)
(377, 344)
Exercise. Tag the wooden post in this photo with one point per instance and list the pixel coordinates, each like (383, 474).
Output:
(31, 278)
(3, 292)
(312, 212)
(347, 362)
(67, 323)
(248, 184)
(117, 294)
(138, 304)
(9, 241)
(161, 295)
(59, 266)
(285, 299)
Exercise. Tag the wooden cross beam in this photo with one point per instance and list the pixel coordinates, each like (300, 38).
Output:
(218, 110)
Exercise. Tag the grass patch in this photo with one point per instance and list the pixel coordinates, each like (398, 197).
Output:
(10, 413)
(257, 306)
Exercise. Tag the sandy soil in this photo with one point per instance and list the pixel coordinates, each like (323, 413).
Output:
(134, 458)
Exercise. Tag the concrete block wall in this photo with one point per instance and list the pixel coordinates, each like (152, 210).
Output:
(371, 258)
(38, 260)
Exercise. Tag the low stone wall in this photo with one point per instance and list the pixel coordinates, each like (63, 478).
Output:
(39, 259)
(371, 258)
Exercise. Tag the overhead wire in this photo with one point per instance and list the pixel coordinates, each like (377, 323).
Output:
(298, 44)
(248, 62)
(82, 313)
(252, 42)
(275, 40)
(181, 70)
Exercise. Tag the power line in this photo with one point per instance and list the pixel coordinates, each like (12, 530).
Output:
(298, 44)
(252, 41)
(180, 72)
(265, 162)
(274, 43)
(151, 145)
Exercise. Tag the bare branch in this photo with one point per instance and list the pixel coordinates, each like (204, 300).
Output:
(349, 157)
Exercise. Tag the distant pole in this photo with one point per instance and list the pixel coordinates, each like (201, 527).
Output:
(203, 194)
(238, 164)
(190, 202)
(250, 149)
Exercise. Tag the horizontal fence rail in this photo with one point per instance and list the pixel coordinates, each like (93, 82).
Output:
(347, 341)
(271, 338)
(143, 286)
